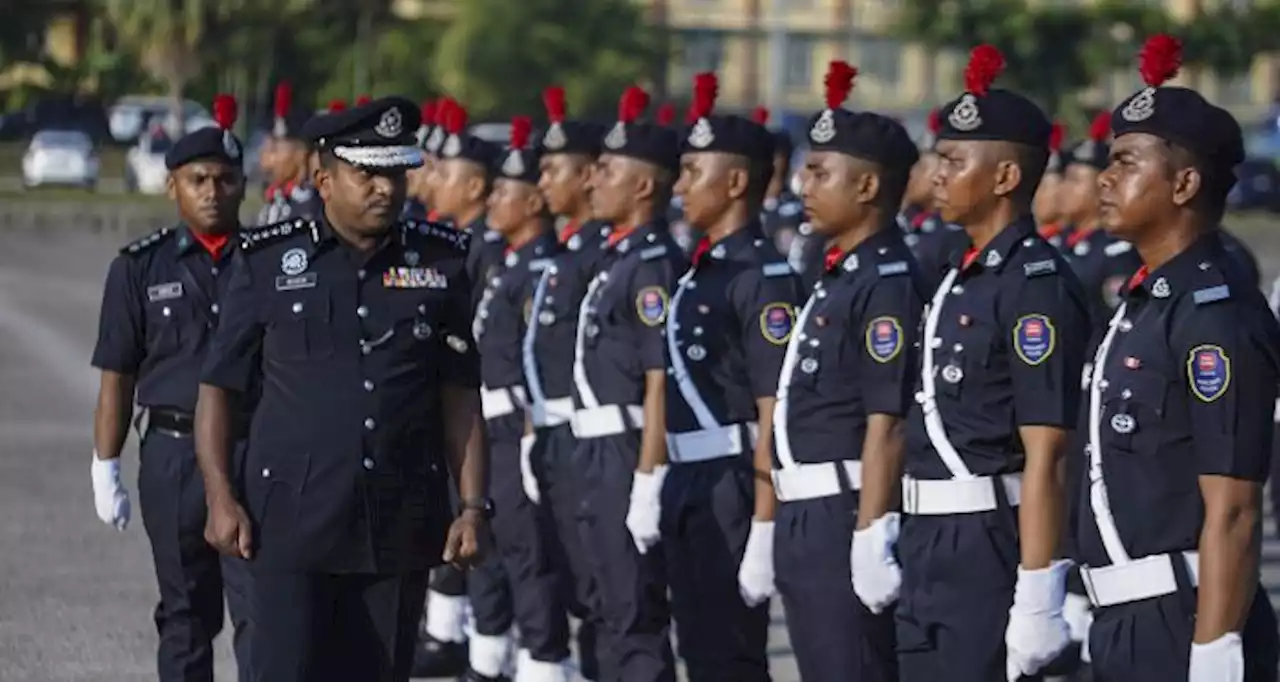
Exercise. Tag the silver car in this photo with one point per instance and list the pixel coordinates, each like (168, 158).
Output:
(60, 157)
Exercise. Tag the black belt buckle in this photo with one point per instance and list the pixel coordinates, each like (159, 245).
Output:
(172, 423)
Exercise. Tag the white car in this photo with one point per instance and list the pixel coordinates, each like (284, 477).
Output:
(129, 116)
(60, 157)
(144, 169)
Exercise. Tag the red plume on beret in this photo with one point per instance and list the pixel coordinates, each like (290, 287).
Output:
(633, 103)
(224, 111)
(705, 88)
(839, 83)
(934, 122)
(336, 105)
(1100, 128)
(521, 126)
(666, 114)
(985, 65)
(1056, 132)
(429, 110)
(455, 119)
(363, 100)
(553, 100)
(1160, 59)
(760, 115)
(284, 99)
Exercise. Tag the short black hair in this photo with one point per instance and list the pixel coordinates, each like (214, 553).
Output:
(1211, 200)
(1032, 162)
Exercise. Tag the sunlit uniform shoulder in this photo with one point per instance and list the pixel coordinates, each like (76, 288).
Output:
(438, 233)
(257, 239)
(147, 243)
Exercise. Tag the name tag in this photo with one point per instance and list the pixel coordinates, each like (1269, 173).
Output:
(414, 278)
(164, 292)
(306, 280)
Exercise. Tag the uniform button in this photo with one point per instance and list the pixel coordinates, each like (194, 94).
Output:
(214, 308)
(549, 300)
(360, 274)
(370, 423)
(214, 270)
(822, 293)
(362, 311)
(368, 385)
(957, 290)
(368, 464)
(697, 331)
(166, 312)
(935, 342)
(1104, 384)
(1126, 394)
(813, 343)
(671, 371)
(266, 473)
(422, 309)
(958, 347)
(1125, 325)
(297, 306)
(804, 337)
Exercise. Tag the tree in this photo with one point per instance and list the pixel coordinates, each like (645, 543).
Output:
(498, 55)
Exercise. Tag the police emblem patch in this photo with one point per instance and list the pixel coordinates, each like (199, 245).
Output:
(884, 338)
(293, 262)
(1034, 338)
(776, 322)
(1208, 372)
(651, 305)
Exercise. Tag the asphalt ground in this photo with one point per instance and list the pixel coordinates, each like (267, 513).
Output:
(76, 597)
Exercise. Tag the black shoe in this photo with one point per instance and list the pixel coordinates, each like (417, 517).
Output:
(434, 658)
(473, 676)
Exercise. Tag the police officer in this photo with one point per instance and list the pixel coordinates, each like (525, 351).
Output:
(845, 385)
(569, 151)
(679, 229)
(361, 322)
(1003, 340)
(1102, 262)
(1178, 409)
(1046, 207)
(517, 213)
(290, 194)
(160, 305)
(416, 207)
(619, 385)
(931, 239)
(781, 212)
(726, 331)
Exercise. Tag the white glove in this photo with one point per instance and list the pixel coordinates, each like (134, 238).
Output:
(1221, 660)
(110, 499)
(876, 575)
(755, 573)
(646, 508)
(1037, 630)
(527, 477)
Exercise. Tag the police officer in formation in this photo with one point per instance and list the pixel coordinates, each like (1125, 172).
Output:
(290, 193)
(931, 239)
(360, 322)
(417, 205)
(782, 211)
(1045, 207)
(726, 330)
(1177, 408)
(161, 304)
(845, 385)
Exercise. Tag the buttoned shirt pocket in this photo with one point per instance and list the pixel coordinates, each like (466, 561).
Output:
(965, 359)
(299, 327)
(273, 489)
(418, 321)
(1133, 414)
(168, 325)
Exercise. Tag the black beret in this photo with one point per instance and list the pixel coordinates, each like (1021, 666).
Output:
(376, 134)
(1093, 151)
(726, 134)
(564, 136)
(213, 144)
(457, 143)
(644, 141)
(983, 113)
(1179, 115)
(520, 160)
(864, 135)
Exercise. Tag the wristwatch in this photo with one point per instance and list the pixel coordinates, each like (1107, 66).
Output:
(484, 505)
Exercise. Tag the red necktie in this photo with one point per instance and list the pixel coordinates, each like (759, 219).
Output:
(704, 245)
(1138, 278)
(969, 257)
(833, 257)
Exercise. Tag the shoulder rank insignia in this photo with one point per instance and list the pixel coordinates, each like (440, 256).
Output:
(258, 237)
(148, 242)
(898, 267)
(1034, 338)
(884, 338)
(1041, 267)
(653, 252)
(457, 238)
(1208, 372)
(1211, 294)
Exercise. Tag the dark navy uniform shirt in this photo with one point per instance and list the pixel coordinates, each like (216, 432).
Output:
(1003, 344)
(932, 241)
(504, 310)
(345, 462)
(853, 353)
(727, 330)
(1242, 256)
(806, 254)
(484, 255)
(160, 306)
(1103, 264)
(1182, 385)
(622, 316)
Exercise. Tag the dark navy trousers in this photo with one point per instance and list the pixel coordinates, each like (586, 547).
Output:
(706, 518)
(835, 637)
(958, 577)
(1150, 640)
(486, 588)
(521, 529)
(192, 576)
(632, 587)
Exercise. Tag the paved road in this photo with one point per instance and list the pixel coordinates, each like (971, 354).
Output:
(76, 597)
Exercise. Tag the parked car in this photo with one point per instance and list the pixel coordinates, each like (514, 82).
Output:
(60, 157)
(131, 115)
(144, 169)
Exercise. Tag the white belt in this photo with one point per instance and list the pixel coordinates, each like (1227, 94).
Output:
(815, 481)
(958, 495)
(713, 443)
(1145, 578)
(551, 412)
(607, 420)
(500, 402)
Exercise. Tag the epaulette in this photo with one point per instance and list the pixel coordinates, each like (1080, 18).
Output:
(1117, 248)
(148, 242)
(456, 238)
(1212, 294)
(654, 252)
(1037, 268)
(897, 267)
(255, 238)
(777, 269)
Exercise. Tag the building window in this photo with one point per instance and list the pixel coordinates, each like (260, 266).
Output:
(881, 60)
(702, 51)
(799, 63)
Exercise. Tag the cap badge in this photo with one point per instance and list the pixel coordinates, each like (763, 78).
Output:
(824, 129)
(701, 136)
(1141, 107)
(513, 167)
(390, 125)
(617, 138)
(229, 145)
(452, 146)
(435, 139)
(554, 139)
(965, 116)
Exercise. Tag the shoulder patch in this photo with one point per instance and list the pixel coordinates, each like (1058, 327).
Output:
(148, 242)
(1117, 248)
(456, 238)
(651, 305)
(1034, 338)
(1211, 294)
(1208, 372)
(884, 338)
(1040, 267)
(898, 267)
(258, 237)
(776, 321)
(777, 269)
(653, 252)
